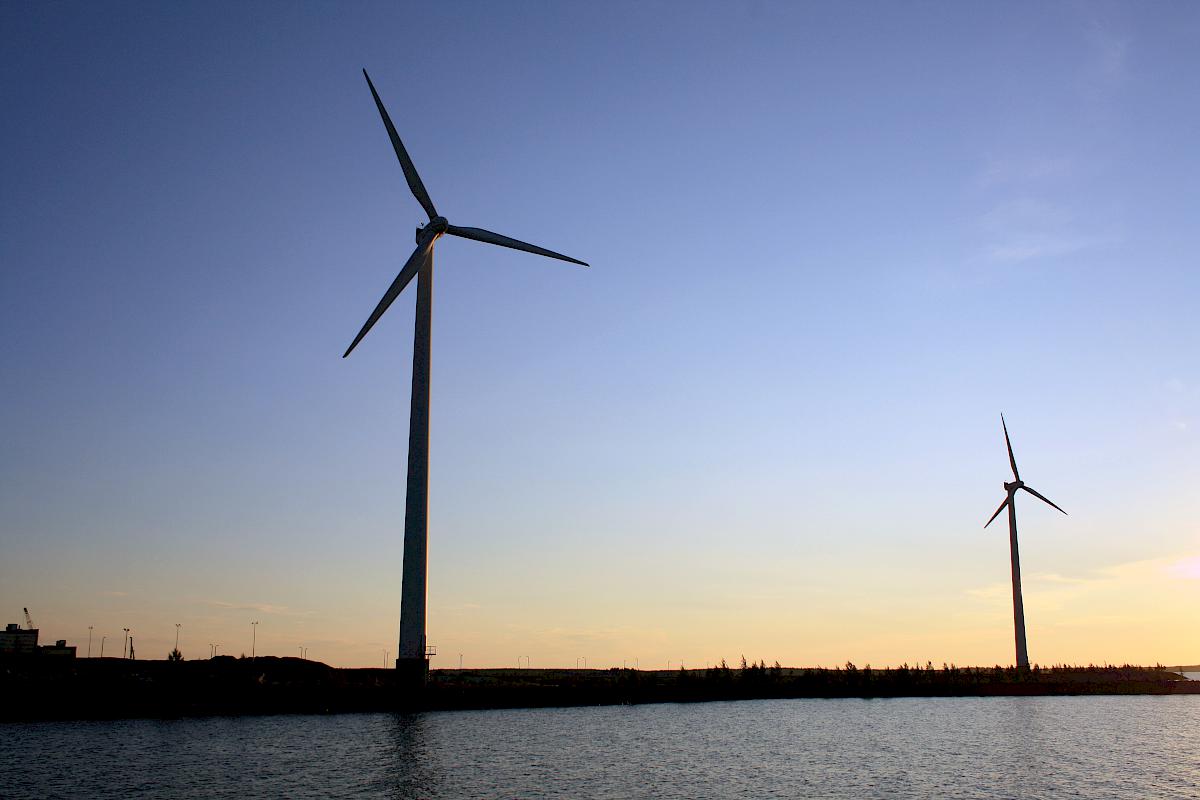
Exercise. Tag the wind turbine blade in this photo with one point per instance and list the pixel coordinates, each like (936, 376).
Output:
(1043, 498)
(998, 510)
(411, 267)
(1011, 459)
(410, 171)
(480, 235)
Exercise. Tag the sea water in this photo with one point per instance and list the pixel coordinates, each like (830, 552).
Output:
(1000, 747)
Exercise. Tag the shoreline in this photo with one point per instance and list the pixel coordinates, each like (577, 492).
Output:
(35, 689)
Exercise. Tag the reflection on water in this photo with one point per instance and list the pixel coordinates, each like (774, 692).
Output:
(1110, 747)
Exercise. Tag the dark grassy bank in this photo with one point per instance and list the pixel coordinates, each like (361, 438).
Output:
(113, 688)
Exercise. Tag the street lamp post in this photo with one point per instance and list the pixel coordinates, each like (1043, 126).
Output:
(253, 637)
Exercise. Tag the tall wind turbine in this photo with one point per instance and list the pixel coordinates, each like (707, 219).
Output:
(412, 659)
(1010, 501)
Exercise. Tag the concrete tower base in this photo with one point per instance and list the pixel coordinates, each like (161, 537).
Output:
(412, 673)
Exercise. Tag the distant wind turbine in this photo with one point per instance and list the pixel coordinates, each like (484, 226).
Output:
(412, 658)
(1011, 502)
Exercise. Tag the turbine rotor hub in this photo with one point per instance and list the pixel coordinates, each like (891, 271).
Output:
(1012, 487)
(436, 226)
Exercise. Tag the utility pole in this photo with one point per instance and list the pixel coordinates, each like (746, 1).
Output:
(89, 641)
(253, 637)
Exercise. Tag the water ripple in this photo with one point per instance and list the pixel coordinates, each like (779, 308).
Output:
(988, 748)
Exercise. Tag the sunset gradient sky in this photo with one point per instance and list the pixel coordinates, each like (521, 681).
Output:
(830, 244)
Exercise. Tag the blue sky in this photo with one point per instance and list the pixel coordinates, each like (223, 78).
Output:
(830, 244)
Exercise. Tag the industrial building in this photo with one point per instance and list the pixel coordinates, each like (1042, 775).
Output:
(18, 641)
(15, 640)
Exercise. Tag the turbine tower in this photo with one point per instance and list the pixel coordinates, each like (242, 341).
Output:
(1010, 501)
(412, 661)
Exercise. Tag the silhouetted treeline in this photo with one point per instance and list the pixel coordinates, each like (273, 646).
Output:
(452, 688)
(850, 680)
(88, 688)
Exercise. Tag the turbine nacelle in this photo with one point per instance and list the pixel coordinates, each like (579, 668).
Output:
(435, 227)
(1014, 486)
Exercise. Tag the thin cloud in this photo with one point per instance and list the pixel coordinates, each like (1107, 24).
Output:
(1110, 49)
(1180, 404)
(1054, 577)
(1039, 581)
(990, 592)
(1029, 228)
(1028, 248)
(1024, 170)
(1182, 567)
(461, 607)
(261, 608)
(602, 635)
(1185, 568)
(1025, 213)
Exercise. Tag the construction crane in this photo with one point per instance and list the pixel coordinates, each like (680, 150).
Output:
(28, 620)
